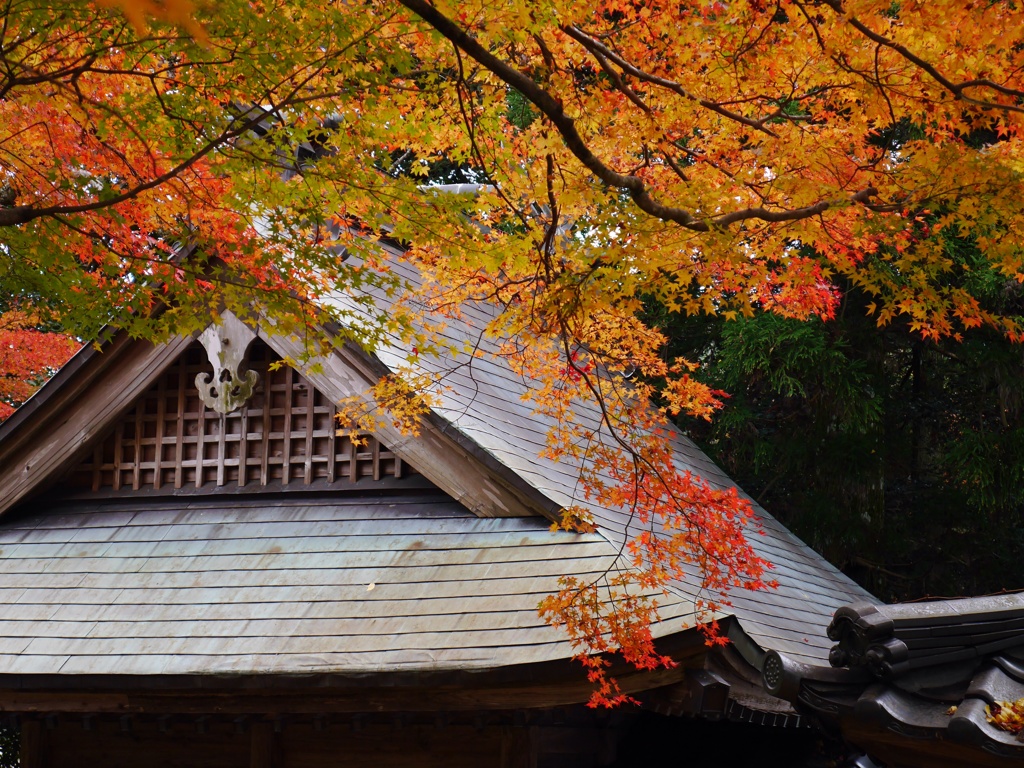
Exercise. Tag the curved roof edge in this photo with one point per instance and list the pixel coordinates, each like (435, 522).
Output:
(917, 684)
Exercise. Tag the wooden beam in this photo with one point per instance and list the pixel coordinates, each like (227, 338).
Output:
(261, 746)
(518, 747)
(487, 491)
(560, 691)
(33, 754)
(65, 425)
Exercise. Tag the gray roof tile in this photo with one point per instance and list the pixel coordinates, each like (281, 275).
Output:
(224, 587)
(484, 399)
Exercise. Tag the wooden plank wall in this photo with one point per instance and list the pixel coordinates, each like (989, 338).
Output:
(394, 742)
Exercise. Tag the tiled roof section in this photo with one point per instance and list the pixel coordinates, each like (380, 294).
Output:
(218, 586)
(894, 640)
(929, 671)
(939, 716)
(484, 400)
(954, 730)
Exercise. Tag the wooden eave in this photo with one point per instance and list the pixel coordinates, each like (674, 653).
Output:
(539, 685)
(58, 425)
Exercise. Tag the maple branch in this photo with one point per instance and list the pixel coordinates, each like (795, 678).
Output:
(675, 166)
(742, 51)
(596, 47)
(619, 83)
(23, 214)
(814, 25)
(957, 89)
(551, 231)
(552, 108)
(638, 191)
(641, 463)
(467, 120)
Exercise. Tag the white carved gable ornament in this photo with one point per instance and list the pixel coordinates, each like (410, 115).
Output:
(227, 344)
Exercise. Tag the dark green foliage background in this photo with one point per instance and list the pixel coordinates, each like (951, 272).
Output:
(899, 459)
(8, 747)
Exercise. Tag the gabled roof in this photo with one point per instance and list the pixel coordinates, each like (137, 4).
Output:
(484, 402)
(61, 423)
(480, 446)
(144, 563)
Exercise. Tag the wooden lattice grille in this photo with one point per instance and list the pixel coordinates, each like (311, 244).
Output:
(284, 435)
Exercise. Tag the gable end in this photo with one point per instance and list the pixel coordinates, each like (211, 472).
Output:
(71, 445)
(285, 435)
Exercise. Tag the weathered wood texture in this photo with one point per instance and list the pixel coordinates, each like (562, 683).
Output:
(396, 744)
(216, 585)
(172, 743)
(385, 690)
(286, 434)
(517, 747)
(263, 747)
(32, 751)
(58, 426)
(483, 400)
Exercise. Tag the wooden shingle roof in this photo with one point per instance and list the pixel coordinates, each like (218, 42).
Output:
(286, 586)
(174, 584)
(483, 400)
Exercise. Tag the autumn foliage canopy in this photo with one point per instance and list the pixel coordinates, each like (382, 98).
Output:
(705, 157)
(28, 356)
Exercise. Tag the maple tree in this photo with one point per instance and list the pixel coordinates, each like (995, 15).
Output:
(28, 356)
(722, 157)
